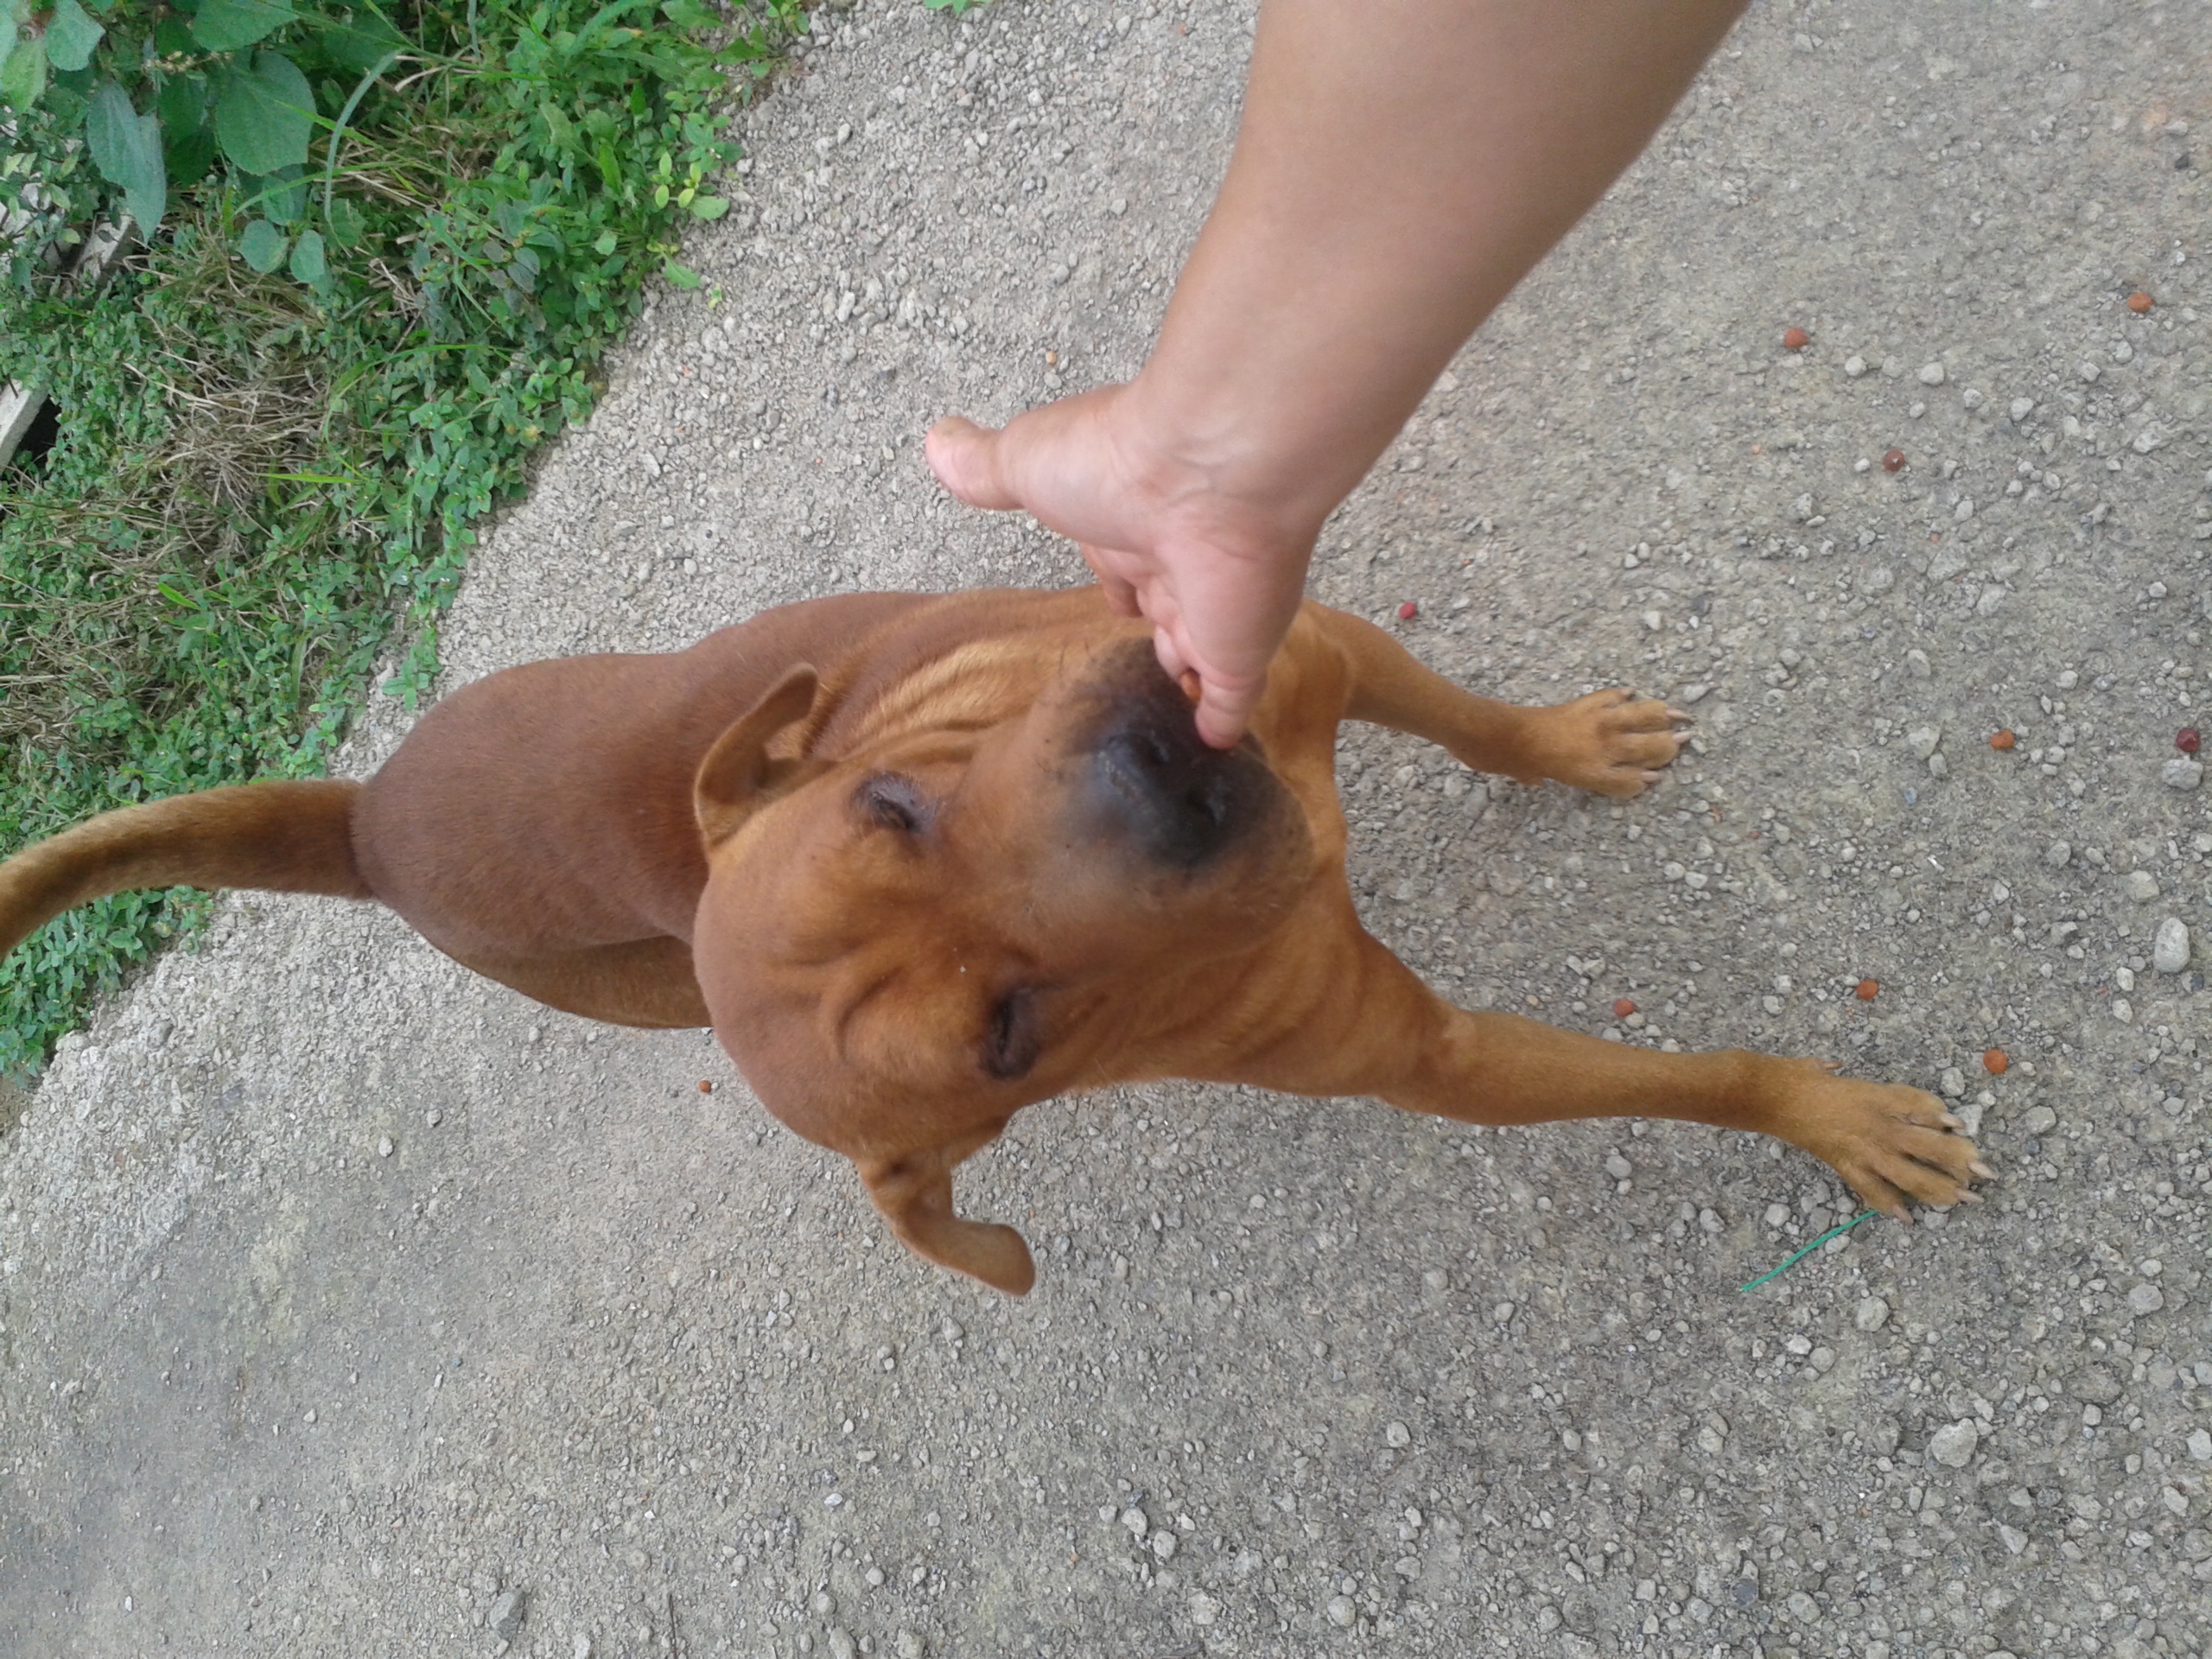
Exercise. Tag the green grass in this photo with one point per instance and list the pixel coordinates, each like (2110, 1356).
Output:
(265, 477)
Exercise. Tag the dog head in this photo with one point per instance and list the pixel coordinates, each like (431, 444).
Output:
(975, 906)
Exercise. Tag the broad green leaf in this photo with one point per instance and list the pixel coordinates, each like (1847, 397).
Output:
(681, 276)
(71, 35)
(347, 224)
(226, 25)
(605, 245)
(127, 148)
(262, 246)
(363, 42)
(263, 120)
(189, 157)
(22, 77)
(183, 106)
(308, 262)
(709, 206)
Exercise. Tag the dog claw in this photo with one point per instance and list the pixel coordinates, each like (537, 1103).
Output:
(1951, 1123)
(1982, 1170)
(1681, 717)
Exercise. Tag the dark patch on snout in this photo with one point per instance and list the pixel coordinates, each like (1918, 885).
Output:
(1149, 777)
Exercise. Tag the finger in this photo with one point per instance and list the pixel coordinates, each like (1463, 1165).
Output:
(1225, 709)
(965, 458)
(1121, 592)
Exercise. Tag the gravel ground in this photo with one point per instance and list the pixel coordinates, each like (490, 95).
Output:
(350, 1305)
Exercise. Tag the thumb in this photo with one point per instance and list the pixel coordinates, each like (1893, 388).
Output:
(965, 458)
(1225, 707)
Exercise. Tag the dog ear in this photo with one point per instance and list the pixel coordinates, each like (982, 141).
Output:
(737, 776)
(915, 1196)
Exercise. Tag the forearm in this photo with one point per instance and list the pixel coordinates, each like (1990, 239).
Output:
(1402, 165)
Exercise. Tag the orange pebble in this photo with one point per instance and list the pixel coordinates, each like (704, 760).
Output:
(1868, 989)
(1623, 1007)
(2138, 301)
(1995, 1061)
(706, 1088)
(1795, 340)
(2003, 741)
(1893, 460)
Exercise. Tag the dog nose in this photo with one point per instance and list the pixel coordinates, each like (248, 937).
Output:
(1179, 796)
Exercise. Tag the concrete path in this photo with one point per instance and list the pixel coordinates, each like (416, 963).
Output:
(351, 1305)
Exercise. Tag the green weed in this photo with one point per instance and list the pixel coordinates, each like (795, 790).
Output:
(284, 413)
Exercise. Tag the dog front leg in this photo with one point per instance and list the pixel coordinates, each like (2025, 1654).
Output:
(1385, 1033)
(914, 1193)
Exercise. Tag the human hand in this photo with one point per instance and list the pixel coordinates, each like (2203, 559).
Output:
(1218, 575)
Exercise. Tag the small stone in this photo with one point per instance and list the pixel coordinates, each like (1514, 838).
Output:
(1931, 374)
(1872, 1314)
(823, 1604)
(2146, 1299)
(1502, 1314)
(2020, 408)
(2057, 854)
(505, 1616)
(1854, 365)
(2138, 301)
(2170, 950)
(1953, 1445)
(1964, 511)
(1970, 399)
(1203, 1610)
(2189, 740)
(2088, 372)
(1925, 741)
(383, 1146)
(2040, 1120)
(1892, 461)
(1136, 1520)
(1951, 1084)
(2182, 773)
(1693, 693)
(1795, 340)
(1343, 1615)
(434, 1117)
(2200, 1445)
(1162, 1542)
(2142, 886)
(1915, 662)
(2123, 1010)
(1408, 611)
(907, 1645)
(579, 1646)
(1396, 1433)
(1997, 1063)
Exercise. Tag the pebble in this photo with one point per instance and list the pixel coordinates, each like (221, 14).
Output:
(2088, 372)
(2004, 740)
(2138, 301)
(2123, 1010)
(1854, 365)
(1951, 1084)
(908, 1645)
(1502, 1313)
(1872, 1314)
(1996, 1062)
(1892, 461)
(1795, 340)
(2189, 740)
(2182, 773)
(1203, 1610)
(2020, 408)
(2200, 1445)
(1931, 374)
(1135, 1521)
(579, 1646)
(1953, 1445)
(1915, 662)
(2170, 951)
(2142, 886)
(1342, 1613)
(2057, 854)
(2146, 1299)
(383, 1146)
(505, 1616)
(1396, 1433)
(1408, 611)
(2040, 1120)
(1925, 741)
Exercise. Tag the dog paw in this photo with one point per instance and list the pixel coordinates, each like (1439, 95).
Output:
(1892, 1143)
(1611, 742)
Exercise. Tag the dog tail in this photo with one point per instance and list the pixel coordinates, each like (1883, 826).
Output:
(279, 837)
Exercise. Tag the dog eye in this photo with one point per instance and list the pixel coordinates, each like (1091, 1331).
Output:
(1012, 1040)
(892, 801)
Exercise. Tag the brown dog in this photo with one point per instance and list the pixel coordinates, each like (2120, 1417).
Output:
(923, 860)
